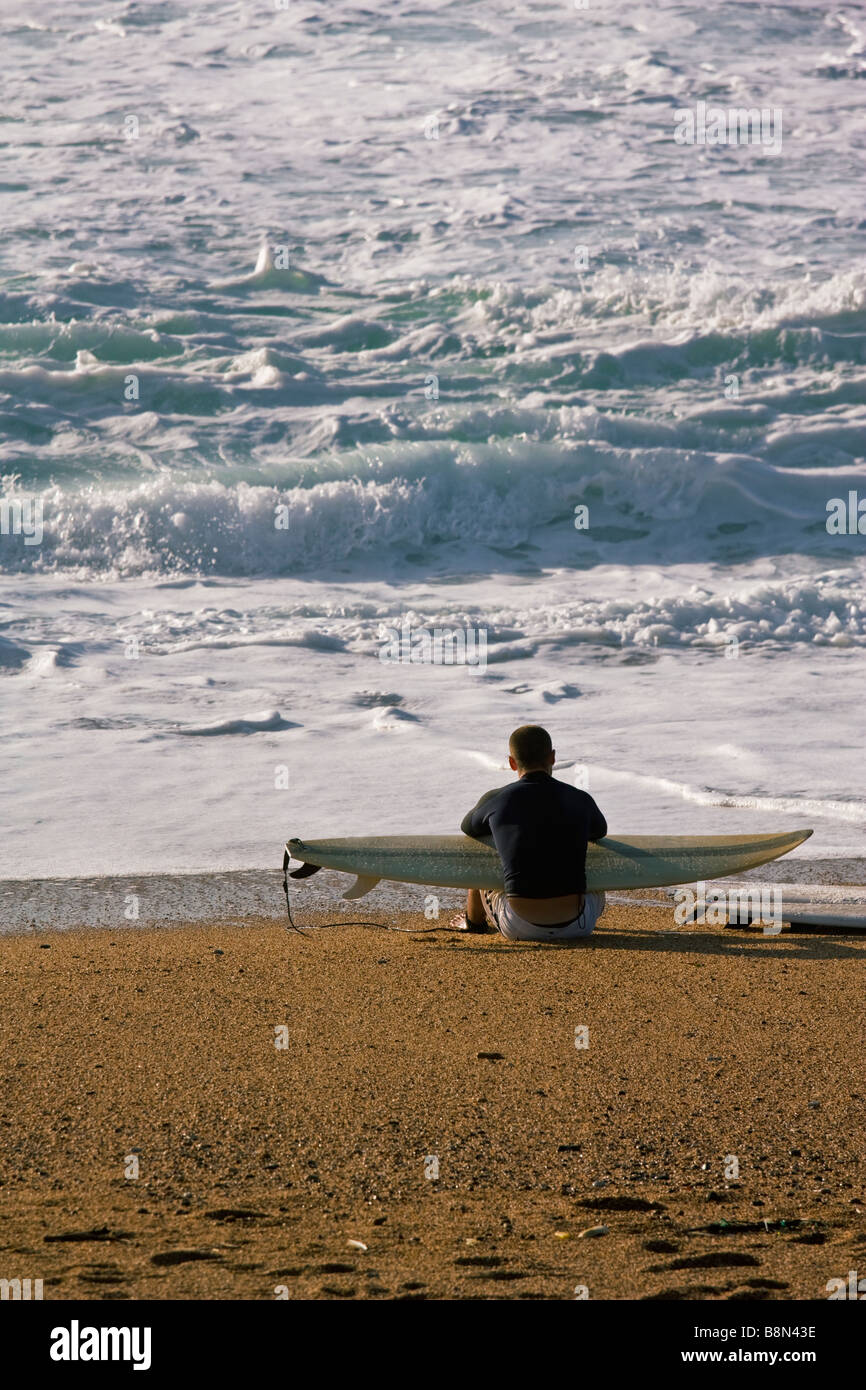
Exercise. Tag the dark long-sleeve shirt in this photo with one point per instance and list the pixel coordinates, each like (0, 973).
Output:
(541, 828)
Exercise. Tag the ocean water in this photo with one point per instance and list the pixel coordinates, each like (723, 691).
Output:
(319, 320)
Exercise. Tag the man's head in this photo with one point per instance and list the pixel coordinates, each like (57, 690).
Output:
(530, 750)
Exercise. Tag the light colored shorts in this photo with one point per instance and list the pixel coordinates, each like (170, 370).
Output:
(516, 928)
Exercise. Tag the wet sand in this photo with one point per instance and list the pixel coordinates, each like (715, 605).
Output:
(711, 1126)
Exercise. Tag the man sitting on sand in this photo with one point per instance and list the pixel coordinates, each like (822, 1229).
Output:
(541, 828)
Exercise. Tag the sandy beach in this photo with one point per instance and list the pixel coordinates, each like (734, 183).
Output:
(288, 1105)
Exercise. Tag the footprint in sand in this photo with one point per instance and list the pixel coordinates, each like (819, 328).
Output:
(180, 1257)
(716, 1259)
(97, 1233)
(100, 1274)
(620, 1204)
(235, 1214)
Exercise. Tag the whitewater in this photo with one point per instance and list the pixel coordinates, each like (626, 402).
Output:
(320, 321)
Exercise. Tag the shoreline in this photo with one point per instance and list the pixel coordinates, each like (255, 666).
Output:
(225, 895)
(259, 1164)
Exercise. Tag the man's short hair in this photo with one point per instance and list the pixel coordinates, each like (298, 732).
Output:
(530, 746)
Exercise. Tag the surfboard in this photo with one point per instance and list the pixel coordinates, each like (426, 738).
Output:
(807, 917)
(617, 861)
(841, 918)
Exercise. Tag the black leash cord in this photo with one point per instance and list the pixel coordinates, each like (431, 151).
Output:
(286, 859)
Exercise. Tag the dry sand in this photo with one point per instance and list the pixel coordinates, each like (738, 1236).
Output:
(258, 1165)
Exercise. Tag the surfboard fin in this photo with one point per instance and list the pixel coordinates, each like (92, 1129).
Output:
(305, 871)
(361, 887)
